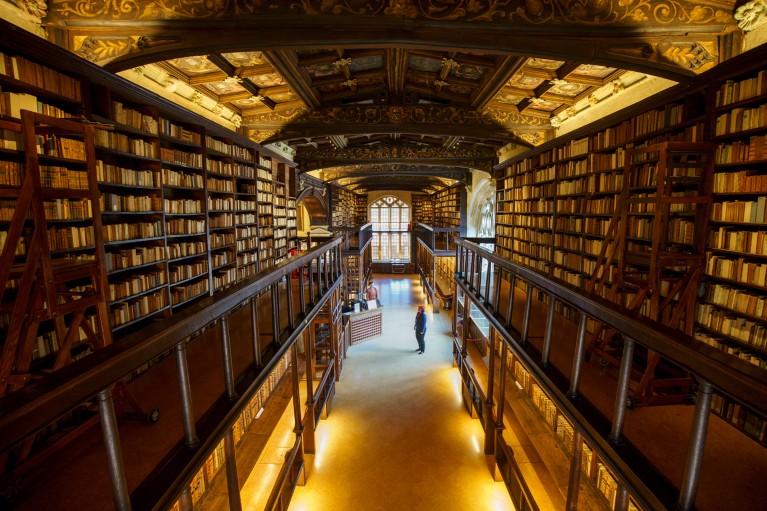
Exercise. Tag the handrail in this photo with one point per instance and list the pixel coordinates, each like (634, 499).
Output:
(328, 378)
(274, 501)
(706, 362)
(31, 408)
(714, 369)
(429, 236)
(427, 279)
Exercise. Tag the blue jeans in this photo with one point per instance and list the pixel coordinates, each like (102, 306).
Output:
(421, 341)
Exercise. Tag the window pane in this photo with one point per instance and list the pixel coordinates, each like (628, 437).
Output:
(390, 217)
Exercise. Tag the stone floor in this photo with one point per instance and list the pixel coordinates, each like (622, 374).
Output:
(398, 437)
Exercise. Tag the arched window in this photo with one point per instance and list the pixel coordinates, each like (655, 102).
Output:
(391, 239)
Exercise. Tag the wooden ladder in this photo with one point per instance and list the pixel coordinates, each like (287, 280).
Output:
(59, 290)
(658, 277)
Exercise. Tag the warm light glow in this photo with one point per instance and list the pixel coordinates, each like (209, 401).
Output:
(322, 434)
(475, 441)
(259, 485)
(257, 488)
(456, 381)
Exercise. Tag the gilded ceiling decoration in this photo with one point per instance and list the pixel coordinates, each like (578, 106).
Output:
(358, 98)
(593, 70)
(375, 115)
(534, 12)
(384, 170)
(394, 152)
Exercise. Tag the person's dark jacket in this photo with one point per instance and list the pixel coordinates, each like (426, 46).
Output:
(420, 323)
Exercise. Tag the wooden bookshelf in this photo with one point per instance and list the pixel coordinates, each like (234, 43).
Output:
(423, 209)
(266, 197)
(247, 186)
(730, 313)
(185, 210)
(220, 171)
(343, 205)
(203, 481)
(280, 212)
(601, 488)
(450, 212)
(555, 202)
(292, 225)
(129, 176)
(179, 194)
(361, 211)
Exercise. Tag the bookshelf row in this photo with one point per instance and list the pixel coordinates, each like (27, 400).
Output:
(423, 209)
(202, 481)
(602, 484)
(554, 205)
(450, 207)
(348, 209)
(185, 207)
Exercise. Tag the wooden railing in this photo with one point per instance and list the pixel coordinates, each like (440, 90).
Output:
(325, 391)
(474, 400)
(482, 275)
(30, 409)
(282, 491)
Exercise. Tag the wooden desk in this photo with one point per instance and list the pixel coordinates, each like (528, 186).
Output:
(444, 291)
(364, 325)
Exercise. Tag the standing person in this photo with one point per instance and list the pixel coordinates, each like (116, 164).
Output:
(372, 293)
(420, 329)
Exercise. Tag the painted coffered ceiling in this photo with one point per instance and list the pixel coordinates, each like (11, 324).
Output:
(408, 94)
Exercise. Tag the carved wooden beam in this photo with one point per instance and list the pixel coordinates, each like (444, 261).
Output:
(231, 71)
(490, 87)
(202, 79)
(323, 157)
(285, 63)
(363, 119)
(650, 46)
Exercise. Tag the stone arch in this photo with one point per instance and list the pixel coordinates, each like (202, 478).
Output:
(482, 192)
(314, 202)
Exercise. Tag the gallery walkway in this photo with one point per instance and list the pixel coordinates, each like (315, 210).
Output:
(398, 437)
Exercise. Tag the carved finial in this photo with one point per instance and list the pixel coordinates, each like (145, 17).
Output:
(751, 15)
(449, 63)
(36, 8)
(342, 63)
(171, 84)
